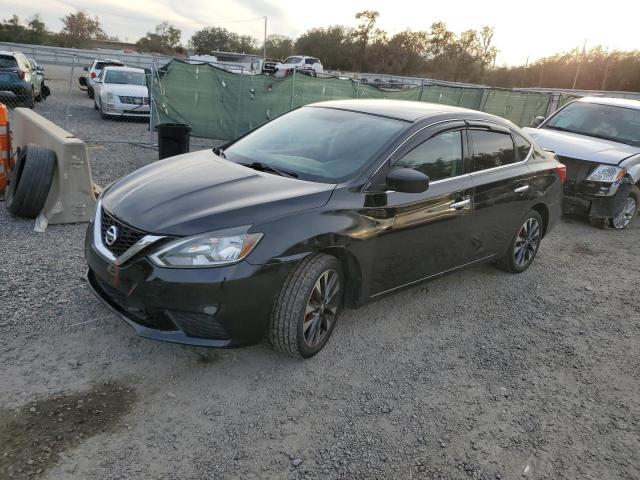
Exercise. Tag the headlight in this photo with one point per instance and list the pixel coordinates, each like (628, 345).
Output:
(607, 174)
(110, 97)
(207, 250)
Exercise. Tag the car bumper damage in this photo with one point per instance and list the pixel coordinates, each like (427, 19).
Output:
(216, 307)
(593, 198)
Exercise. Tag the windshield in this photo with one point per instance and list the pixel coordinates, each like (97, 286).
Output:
(317, 144)
(123, 77)
(609, 122)
(293, 60)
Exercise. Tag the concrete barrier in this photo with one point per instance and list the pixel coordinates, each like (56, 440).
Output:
(71, 198)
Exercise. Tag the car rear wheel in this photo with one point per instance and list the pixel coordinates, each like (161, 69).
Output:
(307, 308)
(626, 209)
(524, 245)
(29, 100)
(90, 91)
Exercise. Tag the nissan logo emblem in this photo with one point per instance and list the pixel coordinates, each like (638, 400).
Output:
(111, 235)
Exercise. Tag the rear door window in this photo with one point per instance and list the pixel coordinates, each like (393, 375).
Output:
(8, 61)
(491, 149)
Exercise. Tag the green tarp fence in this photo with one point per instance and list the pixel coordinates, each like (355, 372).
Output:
(222, 105)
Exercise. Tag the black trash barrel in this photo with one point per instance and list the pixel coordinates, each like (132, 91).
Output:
(173, 139)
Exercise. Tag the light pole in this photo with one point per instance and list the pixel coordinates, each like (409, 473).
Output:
(264, 45)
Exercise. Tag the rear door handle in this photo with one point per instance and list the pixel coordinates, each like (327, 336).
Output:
(522, 189)
(461, 204)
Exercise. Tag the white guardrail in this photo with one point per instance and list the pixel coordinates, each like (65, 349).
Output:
(83, 57)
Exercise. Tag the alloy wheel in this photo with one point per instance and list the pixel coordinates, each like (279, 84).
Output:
(527, 242)
(623, 219)
(322, 308)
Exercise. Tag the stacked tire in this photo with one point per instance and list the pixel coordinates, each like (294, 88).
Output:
(30, 181)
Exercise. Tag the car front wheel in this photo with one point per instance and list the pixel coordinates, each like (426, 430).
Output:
(307, 308)
(524, 245)
(626, 209)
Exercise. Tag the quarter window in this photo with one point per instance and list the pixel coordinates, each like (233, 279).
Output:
(523, 146)
(491, 149)
(439, 157)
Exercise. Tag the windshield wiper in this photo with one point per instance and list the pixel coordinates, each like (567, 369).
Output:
(268, 168)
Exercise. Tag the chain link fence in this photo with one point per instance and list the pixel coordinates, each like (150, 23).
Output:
(116, 116)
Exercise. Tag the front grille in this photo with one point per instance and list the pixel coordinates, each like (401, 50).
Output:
(198, 325)
(578, 170)
(127, 236)
(134, 100)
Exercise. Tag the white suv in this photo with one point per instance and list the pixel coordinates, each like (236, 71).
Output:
(300, 63)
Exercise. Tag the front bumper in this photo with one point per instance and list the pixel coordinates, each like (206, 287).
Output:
(593, 198)
(120, 110)
(219, 307)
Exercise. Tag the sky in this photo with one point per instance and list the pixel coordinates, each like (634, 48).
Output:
(523, 29)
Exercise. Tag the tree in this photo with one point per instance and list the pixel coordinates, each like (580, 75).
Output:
(332, 45)
(166, 39)
(79, 28)
(213, 39)
(363, 32)
(279, 46)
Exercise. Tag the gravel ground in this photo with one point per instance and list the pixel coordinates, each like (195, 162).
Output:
(479, 375)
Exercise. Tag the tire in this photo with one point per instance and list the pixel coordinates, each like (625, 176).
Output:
(299, 293)
(30, 181)
(599, 222)
(527, 237)
(90, 91)
(29, 100)
(102, 114)
(625, 210)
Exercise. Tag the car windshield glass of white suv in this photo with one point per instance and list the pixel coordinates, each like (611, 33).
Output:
(316, 144)
(293, 60)
(125, 78)
(608, 122)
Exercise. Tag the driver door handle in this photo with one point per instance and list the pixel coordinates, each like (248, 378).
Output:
(461, 204)
(522, 189)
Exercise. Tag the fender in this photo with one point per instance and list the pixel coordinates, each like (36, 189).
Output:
(632, 166)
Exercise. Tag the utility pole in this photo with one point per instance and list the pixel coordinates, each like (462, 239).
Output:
(603, 85)
(584, 51)
(524, 74)
(264, 45)
(541, 74)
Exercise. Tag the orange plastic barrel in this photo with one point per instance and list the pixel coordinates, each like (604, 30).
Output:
(5, 146)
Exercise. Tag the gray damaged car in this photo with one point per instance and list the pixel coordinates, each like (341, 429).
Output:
(598, 139)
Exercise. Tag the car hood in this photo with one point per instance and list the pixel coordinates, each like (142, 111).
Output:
(200, 192)
(128, 90)
(582, 147)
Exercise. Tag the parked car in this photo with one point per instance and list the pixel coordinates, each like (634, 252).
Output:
(39, 71)
(121, 92)
(598, 139)
(269, 66)
(20, 84)
(336, 203)
(300, 63)
(93, 72)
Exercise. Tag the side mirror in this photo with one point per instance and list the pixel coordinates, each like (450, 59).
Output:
(537, 121)
(407, 180)
(86, 69)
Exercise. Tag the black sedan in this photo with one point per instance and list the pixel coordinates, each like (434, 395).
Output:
(330, 205)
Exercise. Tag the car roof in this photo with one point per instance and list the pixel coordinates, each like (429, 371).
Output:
(409, 111)
(617, 102)
(126, 69)
(7, 52)
(107, 60)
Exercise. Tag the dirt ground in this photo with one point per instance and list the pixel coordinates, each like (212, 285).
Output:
(478, 375)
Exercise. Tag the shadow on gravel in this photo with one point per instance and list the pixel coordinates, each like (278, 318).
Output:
(33, 437)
